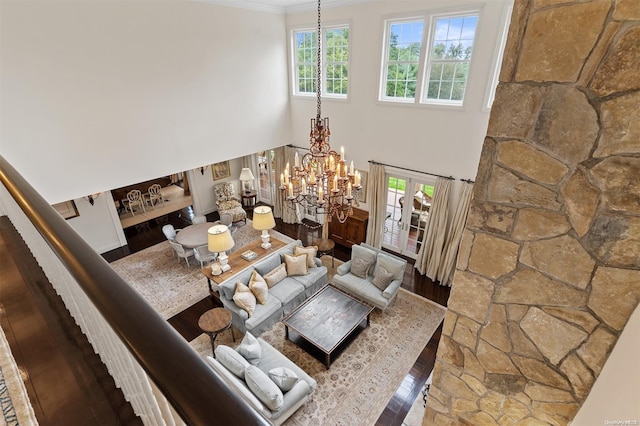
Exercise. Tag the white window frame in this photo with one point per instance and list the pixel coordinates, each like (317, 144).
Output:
(505, 22)
(429, 19)
(323, 60)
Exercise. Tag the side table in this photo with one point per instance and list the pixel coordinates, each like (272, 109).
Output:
(325, 246)
(249, 199)
(214, 322)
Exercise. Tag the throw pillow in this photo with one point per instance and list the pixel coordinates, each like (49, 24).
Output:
(264, 388)
(296, 264)
(244, 298)
(311, 253)
(258, 287)
(284, 378)
(360, 267)
(231, 360)
(278, 274)
(393, 265)
(250, 348)
(381, 277)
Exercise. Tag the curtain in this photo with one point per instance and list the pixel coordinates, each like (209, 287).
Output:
(377, 196)
(277, 197)
(430, 252)
(290, 214)
(454, 235)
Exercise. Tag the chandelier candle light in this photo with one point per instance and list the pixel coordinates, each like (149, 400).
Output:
(321, 179)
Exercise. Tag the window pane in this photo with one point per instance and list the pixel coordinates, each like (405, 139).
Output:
(306, 61)
(450, 57)
(337, 60)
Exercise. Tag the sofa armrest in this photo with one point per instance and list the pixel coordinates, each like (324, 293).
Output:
(344, 269)
(298, 392)
(392, 289)
(318, 262)
(235, 309)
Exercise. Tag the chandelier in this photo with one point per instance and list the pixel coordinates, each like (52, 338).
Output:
(321, 179)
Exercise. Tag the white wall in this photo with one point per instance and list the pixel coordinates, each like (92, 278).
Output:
(426, 138)
(98, 95)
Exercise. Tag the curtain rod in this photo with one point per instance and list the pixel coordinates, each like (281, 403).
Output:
(411, 170)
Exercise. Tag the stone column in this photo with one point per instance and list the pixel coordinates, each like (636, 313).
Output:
(549, 268)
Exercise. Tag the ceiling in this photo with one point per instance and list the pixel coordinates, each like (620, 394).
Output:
(284, 6)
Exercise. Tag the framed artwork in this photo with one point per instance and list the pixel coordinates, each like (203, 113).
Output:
(363, 181)
(220, 170)
(67, 209)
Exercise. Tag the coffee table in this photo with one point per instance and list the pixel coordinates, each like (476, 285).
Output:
(327, 319)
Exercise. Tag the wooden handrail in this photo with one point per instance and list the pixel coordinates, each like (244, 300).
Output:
(189, 384)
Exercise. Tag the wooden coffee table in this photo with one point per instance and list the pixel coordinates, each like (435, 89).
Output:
(327, 319)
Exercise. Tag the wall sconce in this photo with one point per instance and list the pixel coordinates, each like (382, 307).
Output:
(202, 169)
(93, 197)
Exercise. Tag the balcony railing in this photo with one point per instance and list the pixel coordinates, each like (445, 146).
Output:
(142, 351)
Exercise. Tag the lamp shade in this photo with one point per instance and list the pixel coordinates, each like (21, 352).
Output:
(263, 218)
(219, 239)
(246, 174)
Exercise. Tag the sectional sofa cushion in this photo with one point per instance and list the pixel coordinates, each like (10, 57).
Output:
(244, 298)
(276, 275)
(283, 377)
(232, 360)
(310, 251)
(263, 387)
(250, 349)
(296, 264)
(381, 277)
(258, 287)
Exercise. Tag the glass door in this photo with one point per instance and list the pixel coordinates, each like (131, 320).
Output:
(266, 176)
(408, 203)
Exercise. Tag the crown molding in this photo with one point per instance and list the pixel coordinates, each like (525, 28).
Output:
(304, 6)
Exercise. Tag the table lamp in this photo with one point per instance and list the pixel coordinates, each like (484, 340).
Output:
(245, 177)
(263, 221)
(219, 241)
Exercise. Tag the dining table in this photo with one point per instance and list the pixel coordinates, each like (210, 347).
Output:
(194, 235)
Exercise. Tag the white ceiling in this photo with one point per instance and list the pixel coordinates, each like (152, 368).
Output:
(284, 6)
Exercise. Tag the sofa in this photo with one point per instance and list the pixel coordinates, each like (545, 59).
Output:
(263, 377)
(282, 297)
(371, 275)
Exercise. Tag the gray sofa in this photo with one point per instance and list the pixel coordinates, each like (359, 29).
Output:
(362, 282)
(283, 297)
(269, 359)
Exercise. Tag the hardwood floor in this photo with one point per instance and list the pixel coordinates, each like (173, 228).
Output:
(85, 391)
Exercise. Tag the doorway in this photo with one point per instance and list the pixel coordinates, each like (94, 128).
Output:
(266, 176)
(408, 203)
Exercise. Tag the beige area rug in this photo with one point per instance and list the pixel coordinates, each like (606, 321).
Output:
(14, 401)
(167, 284)
(362, 380)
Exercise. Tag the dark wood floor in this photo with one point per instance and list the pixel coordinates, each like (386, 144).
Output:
(79, 388)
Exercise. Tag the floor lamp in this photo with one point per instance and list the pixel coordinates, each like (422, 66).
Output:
(263, 221)
(219, 241)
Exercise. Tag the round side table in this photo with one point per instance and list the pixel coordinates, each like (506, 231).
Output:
(214, 322)
(325, 246)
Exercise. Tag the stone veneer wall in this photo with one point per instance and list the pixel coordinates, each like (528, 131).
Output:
(549, 268)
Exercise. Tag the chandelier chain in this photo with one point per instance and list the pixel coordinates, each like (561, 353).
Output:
(319, 68)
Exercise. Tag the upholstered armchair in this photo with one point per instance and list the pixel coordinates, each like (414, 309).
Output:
(227, 202)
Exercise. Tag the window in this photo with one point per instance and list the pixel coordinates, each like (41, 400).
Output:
(440, 52)
(335, 61)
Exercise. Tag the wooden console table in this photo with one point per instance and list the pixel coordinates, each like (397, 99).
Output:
(238, 264)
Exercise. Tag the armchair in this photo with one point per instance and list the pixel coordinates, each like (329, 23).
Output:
(227, 202)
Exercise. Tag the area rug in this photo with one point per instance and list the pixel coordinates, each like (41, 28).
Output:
(363, 378)
(168, 284)
(14, 401)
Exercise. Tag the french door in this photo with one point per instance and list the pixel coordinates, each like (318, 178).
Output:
(266, 176)
(408, 204)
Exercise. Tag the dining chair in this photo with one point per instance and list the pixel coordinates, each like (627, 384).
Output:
(134, 198)
(181, 251)
(198, 219)
(170, 232)
(202, 254)
(154, 195)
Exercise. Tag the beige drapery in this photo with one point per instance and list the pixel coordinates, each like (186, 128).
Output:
(430, 253)
(277, 197)
(454, 235)
(290, 214)
(377, 196)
